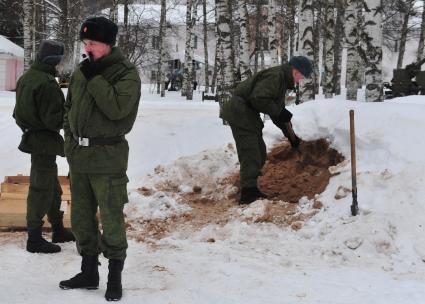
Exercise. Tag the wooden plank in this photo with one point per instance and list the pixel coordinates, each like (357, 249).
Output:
(25, 179)
(13, 214)
(23, 188)
(23, 196)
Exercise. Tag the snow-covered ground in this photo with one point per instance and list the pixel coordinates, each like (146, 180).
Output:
(375, 257)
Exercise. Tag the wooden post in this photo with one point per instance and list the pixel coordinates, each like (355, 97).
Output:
(354, 206)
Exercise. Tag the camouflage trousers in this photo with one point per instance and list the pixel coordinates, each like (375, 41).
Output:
(44, 195)
(108, 192)
(252, 154)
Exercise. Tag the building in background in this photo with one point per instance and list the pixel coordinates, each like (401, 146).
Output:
(11, 64)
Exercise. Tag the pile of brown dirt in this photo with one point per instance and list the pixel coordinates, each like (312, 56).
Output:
(290, 174)
(287, 176)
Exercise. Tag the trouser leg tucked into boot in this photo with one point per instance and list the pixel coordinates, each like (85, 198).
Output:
(114, 287)
(88, 278)
(36, 242)
(61, 234)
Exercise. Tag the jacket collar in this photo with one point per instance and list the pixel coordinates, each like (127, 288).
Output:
(115, 56)
(44, 67)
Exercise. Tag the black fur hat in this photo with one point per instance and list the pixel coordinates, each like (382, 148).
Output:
(50, 52)
(99, 29)
(302, 64)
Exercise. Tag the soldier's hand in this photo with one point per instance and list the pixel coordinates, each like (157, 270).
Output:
(90, 68)
(295, 142)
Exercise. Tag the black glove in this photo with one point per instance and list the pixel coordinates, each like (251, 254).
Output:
(90, 68)
(289, 133)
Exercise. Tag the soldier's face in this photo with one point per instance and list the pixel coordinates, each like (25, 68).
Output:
(96, 48)
(297, 75)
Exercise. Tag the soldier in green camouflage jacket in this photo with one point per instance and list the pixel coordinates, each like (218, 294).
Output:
(100, 109)
(39, 114)
(262, 93)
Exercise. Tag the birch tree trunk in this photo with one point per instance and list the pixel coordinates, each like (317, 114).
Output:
(190, 66)
(205, 29)
(161, 51)
(306, 47)
(373, 50)
(420, 52)
(257, 35)
(316, 43)
(284, 34)
(244, 59)
(292, 12)
(352, 40)
(271, 21)
(407, 10)
(329, 49)
(339, 39)
(189, 5)
(28, 50)
(223, 26)
(113, 12)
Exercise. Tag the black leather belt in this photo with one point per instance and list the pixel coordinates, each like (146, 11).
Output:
(98, 141)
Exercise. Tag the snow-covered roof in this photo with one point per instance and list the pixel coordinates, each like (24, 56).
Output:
(176, 14)
(8, 47)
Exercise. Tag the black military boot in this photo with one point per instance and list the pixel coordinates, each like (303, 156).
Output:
(61, 234)
(250, 194)
(88, 278)
(36, 243)
(114, 287)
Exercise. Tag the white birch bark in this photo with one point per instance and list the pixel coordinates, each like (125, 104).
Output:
(420, 51)
(189, 61)
(407, 10)
(244, 68)
(284, 34)
(373, 50)
(271, 21)
(189, 4)
(306, 45)
(329, 49)
(205, 32)
(352, 41)
(27, 8)
(338, 45)
(316, 43)
(223, 26)
(161, 51)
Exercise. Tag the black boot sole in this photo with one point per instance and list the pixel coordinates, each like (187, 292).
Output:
(87, 287)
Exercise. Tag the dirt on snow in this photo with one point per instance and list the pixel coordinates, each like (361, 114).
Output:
(289, 177)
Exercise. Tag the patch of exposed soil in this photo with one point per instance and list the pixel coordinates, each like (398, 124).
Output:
(288, 175)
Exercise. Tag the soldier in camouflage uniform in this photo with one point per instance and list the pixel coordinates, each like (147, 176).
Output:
(100, 110)
(262, 93)
(39, 113)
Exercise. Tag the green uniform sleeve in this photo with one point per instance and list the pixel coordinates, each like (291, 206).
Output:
(117, 100)
(265, 93)
(67, 107)
(50, 102)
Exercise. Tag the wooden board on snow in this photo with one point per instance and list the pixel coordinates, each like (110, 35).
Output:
(13, 201)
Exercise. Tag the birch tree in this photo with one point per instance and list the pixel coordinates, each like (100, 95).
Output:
(189, 5)
(271, 22)
(28, 49)
(407, 9)
(372, 53)
(284, 36)
(306, 47)
(190, 59)
(338, 40)
(420, 51)
(318, 22)
(161, 51)
(292, 9)
(352, 41)
(244, 59)
(205, 32)
(329, 40)
(223, 26)
(113, 11)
